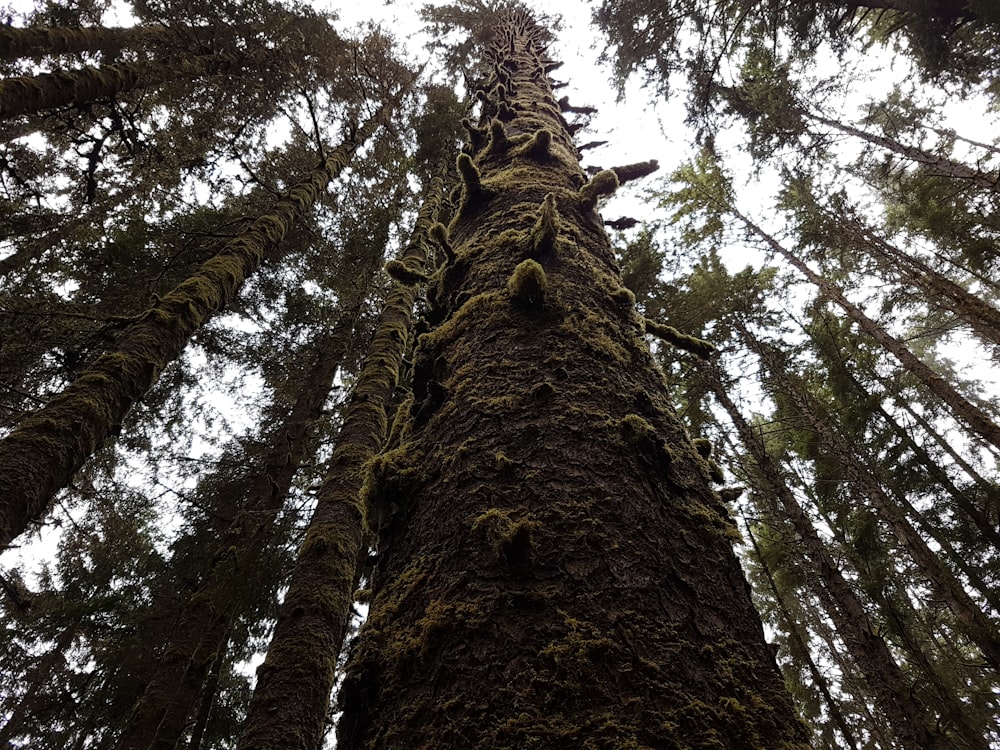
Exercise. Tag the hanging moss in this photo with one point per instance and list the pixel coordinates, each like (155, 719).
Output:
(439, 233)
(526, 286)
(580, 562)
(405, 274)
(508, 532)
(539, 146)
(543, 234)
(601, 184)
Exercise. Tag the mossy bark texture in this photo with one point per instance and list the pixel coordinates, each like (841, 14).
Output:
(34, 42)
(291, 700)
(30, 94)
(39, 457)
(553, 569)
(199, 639)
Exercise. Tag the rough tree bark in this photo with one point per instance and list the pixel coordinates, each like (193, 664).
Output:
(553, 569)
(30, 94)
(40, 42)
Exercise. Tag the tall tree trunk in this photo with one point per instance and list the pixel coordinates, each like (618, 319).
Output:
(31, 94)
(39, 42)
(291, 699)
(973, 622)
(209, 693)
(163, 711)
(39, 457)
(912, 721)
(961, 407)
(553, 568)
(792, 628)
(935, 164)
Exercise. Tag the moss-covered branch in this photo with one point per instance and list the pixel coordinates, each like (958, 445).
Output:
(31, 94)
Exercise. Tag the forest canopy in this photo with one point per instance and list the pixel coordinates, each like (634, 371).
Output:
(369, 380)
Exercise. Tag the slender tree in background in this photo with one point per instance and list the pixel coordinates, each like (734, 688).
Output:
(515, 567)
(205, 620)
(549, 566)
(41, 455)
(294, 683)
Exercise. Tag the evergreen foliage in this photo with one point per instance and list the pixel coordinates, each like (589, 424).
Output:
(291, 327)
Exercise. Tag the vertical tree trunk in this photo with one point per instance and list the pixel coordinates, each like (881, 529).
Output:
(30, 94)
(291, 699)
(40, 457)
(912, 722)
(209, 693)
(164, 710)
(553, 568)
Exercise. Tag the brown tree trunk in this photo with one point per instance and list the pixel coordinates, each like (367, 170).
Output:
(31, 94)
(291, 699)
(946, 586)
(40, 457)
(164, 710)
(209, 693)
(912, 722)
(39, 42)
(553, 569)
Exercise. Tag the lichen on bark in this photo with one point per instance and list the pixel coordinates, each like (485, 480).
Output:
(556, 570)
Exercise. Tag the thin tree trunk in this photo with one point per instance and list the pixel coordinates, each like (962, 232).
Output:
(936, 165)
(983, 318)
(792, 629)
(291, 699)
(164, 710)
(209, 693)
(32, 94)
(960, 406)
(911, 721)
(553, 569)
(40, 457)
(945, 585)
